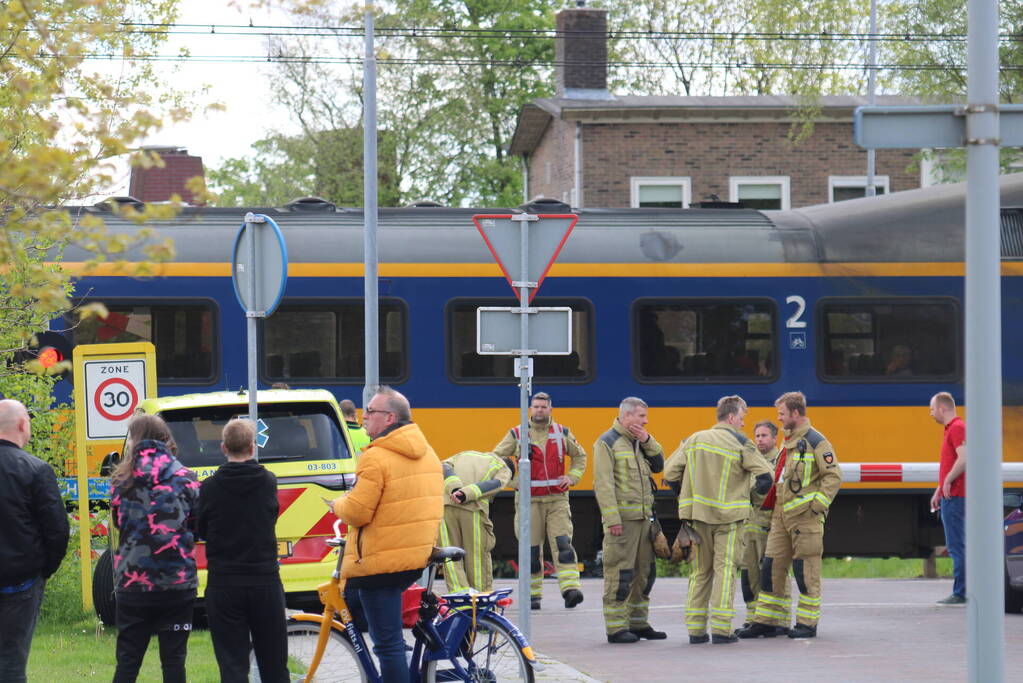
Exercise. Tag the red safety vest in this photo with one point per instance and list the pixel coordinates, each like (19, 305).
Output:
(546, 465)
(772, 495)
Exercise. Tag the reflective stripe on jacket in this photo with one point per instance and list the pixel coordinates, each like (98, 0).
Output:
(479, 475)
(539, 436)
(621, 475)
(716, 481)
(811, 478)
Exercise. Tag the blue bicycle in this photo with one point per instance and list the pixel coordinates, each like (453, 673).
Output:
(458, 637)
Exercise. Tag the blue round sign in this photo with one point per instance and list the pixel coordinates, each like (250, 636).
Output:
(259, 264)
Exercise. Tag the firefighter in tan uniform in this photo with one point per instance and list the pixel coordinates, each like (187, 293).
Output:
(754, 532)
(715, 499)
(550, 515)
(623, 459)
(471, 479)
(801, 499)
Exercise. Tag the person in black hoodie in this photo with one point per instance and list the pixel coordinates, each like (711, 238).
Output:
(236, 516)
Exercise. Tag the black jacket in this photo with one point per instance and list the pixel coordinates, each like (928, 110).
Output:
(33, 521)
(236, 517)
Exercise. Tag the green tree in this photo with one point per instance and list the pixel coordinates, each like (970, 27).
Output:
(325, 164)
(63, 119)
(447, 97)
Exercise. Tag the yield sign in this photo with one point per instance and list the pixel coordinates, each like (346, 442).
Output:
(546, 236)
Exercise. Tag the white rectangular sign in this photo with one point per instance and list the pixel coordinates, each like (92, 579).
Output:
(113, 390)
(498, 331)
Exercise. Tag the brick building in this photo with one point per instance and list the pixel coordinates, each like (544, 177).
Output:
(159, 183)
(588, 147)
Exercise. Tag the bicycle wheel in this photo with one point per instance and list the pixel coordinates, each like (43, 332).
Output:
(339, 663)
(492, 655)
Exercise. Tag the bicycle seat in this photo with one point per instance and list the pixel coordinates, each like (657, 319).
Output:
(446, 553)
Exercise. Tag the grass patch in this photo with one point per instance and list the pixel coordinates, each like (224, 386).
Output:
(84, 649)
(70, 643)
(880, 568)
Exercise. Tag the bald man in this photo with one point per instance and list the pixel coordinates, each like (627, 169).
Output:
(33, 537)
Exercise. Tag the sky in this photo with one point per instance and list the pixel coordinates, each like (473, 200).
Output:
(242, 88)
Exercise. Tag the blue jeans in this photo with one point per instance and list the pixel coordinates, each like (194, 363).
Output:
(953, 518)
(382, 609)
(18, 613)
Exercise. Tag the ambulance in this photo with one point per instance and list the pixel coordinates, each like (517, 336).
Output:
(301, 438)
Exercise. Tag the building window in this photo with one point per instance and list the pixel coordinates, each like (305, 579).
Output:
(324, 341)
(467, 366)
(760, 192)
(842, 187)
(678, 340)
(889, 340)
(658, 192)
(183, 334)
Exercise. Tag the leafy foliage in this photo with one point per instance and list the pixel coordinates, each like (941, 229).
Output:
(450, 97)
(444, 127)
(61, 125)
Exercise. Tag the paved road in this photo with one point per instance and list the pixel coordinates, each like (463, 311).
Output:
(871, 629)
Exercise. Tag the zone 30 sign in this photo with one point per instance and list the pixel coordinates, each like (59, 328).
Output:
(110, 382)
(113, 389)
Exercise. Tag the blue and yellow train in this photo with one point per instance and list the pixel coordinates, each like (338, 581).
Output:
(857, 304)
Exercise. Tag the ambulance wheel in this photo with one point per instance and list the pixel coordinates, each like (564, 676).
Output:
(103, 589)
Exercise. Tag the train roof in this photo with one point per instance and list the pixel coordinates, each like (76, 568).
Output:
(924, 225)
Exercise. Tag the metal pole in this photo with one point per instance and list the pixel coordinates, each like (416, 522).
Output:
(369, 184)
(525, 492)
(871, 189)
(250, 325)
(984, 580)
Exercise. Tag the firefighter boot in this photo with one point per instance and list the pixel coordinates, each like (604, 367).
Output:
(649, 633)
(758, 630)
(803, 631)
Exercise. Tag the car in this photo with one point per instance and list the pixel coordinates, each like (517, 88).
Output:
(302, 439)
(1013, 527)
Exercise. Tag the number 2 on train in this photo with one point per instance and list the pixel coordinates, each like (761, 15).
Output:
(794, 321)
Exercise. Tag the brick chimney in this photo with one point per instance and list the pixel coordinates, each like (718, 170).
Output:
(580, 51)
(158, 184)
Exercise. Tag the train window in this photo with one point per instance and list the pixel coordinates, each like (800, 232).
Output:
(323, 341)
(728, 340)
(183, 334)
(892, 340)
(465, 365)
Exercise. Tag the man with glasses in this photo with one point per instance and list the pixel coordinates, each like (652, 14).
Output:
(393, 514)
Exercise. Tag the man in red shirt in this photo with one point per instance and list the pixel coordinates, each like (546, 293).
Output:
(950, 494)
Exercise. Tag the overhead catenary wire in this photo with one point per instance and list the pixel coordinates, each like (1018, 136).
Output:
(414, 61)
(297, 30)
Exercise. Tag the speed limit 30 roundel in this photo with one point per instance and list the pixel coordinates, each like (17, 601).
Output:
(116, 399)
(112, 391)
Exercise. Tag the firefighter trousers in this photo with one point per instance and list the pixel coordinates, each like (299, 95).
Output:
(551, 519)
(472, 531)
(801, 549)
(712, 582)
(629, 573)
(754, 544)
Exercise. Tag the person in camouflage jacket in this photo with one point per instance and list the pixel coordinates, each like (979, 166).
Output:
(155, 580)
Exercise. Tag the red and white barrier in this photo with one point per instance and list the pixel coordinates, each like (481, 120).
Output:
(920, 472)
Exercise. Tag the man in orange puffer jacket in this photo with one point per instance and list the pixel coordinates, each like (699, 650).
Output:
(393, 514)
